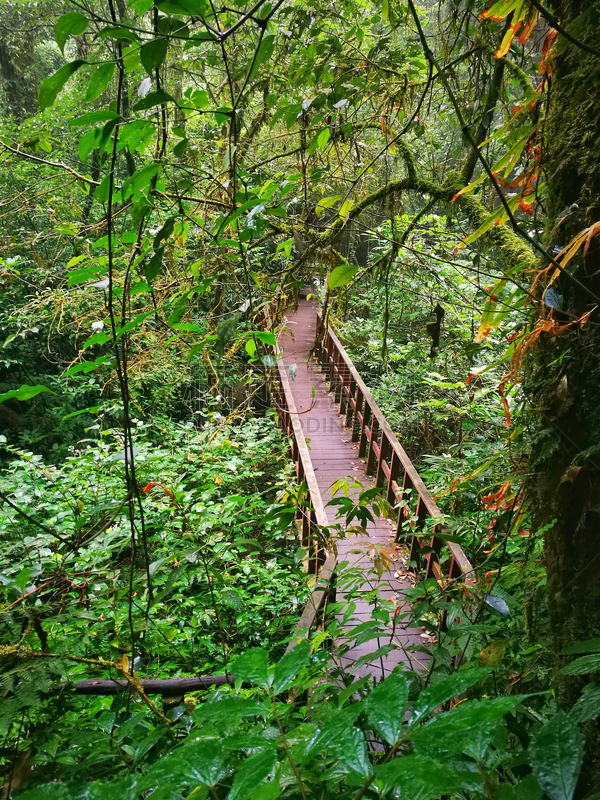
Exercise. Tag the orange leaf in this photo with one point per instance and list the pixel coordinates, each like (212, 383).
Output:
(492, 502)
(148, 488)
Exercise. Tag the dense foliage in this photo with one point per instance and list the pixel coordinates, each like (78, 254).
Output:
(173, 172)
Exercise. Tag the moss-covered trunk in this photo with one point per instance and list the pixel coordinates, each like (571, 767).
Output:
(565, 378)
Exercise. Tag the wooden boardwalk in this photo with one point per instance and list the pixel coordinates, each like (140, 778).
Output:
(334, 456)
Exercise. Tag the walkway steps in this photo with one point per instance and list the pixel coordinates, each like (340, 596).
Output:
(334, 456)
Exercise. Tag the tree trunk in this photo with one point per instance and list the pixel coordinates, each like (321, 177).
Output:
(564, 378)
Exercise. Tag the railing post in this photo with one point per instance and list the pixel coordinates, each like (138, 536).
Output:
(393, 477)
(371, 461)
(349, 407)
(362, 448)
(383, 451)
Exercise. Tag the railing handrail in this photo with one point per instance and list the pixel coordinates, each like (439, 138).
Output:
(309, 473)
(384, 425)
(458, 554)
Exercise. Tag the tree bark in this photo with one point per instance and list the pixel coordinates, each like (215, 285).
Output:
(564, 374)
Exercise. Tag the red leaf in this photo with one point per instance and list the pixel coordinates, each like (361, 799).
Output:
(148, 488)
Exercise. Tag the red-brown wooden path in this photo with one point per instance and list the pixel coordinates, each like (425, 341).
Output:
(334, 456)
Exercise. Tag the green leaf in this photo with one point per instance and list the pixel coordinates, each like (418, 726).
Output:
(180, 148)
(229, 709)
(351, 749)
(556, 755)
(52, 85)
(152, 54)
(140, 180)
(588, 705)
(445, 689)
(340, 276)
(589, 646)
(385, 707)
(290, 665)
(164, 232)
(583, 665)
(153, 266)
(71, 24)
(254, 770)
(252, 666)
(323, 137)
(88, 142)
(251, 347)
(469, 728)
(265, 51)
(184, 8)
(232, 598)
(153, 99)
(119, 33)
(418, 777)
(136, 134)
(99, 80)
(266, 337)
(25, 392)
(92, 117)
(333, 729)
(198, 762)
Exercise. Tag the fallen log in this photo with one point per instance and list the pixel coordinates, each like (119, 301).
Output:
(167, 687)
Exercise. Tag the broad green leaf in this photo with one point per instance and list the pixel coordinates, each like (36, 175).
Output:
(266, 337)
(254, 770)
(184, 8)
(588, 705)
(180, 148)
(340, 276)
(418, 777)
(445, 689)
(140, 180)
(25, 392)
(589, 646)
(385, 707)
(205, 760)
(468, 728)
(351, 749)
(153, 99)
(345, 209)
(326, 202)
(265, 51)
(199, 762)
(71, 24)
(136, 135)
(52, 85)
(333, 729)
(252, 666)
(556, 755)
(251, 347)
(92, 117)
(323, 137)
(498, 603)
(289, 666)
(99, 80)
(583, 665)
(229, 709)
(152, 54)
(232, 598)
(164, 232)
(119, 34)
(153, 266)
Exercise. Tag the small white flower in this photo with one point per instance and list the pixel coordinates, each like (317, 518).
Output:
(98, 325)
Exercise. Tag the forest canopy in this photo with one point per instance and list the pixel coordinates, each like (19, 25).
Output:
(176, 176)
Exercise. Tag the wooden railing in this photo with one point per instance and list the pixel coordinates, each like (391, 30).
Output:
(311, 517)
(387, 460)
